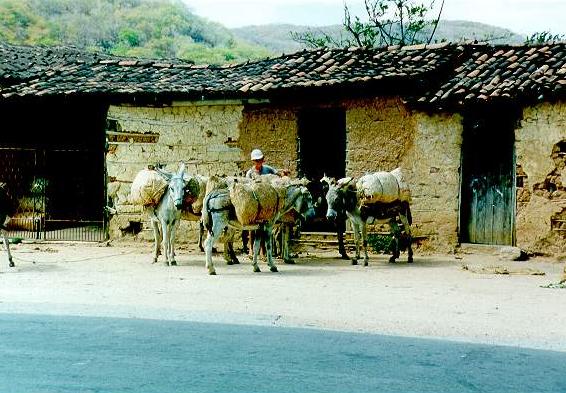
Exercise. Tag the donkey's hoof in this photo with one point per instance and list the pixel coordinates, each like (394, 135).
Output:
(12, 263)
(229, 262)
(212, 273)
(256, 269)
(289, 261)
(173, 263)
(366, 263)
(273, 269)
(344, 256)
(392, 260)
(235, 262)
(354, 261)
(410, 259)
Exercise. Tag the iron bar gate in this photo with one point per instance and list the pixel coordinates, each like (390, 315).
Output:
(57, 194)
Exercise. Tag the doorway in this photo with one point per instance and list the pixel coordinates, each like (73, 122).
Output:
(322, 151)
(487, 212)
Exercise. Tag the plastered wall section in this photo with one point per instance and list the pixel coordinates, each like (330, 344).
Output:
(542, 127)
(204, 136)
(274, 131)
(382, 134)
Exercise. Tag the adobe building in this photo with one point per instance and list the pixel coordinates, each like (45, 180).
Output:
(479, 131)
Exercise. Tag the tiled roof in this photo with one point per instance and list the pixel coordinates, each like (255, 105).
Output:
(464, 73)
(505, 72)
(71, 74)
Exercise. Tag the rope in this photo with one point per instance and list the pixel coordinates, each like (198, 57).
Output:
(70, 260)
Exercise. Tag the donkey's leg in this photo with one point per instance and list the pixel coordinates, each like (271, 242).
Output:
(407, 236)
(172, 236)
(356, 230)
(269, 248)
(200, 235)
(340, 228)
(256, 248)
(7, 244)
(395, 240)
(285, 244)
(230, 246)
(165, 241)
(218, 225)
(409, 249)
(365, 241)
(156, 240)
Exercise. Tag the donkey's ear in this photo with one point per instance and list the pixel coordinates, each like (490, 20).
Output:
(181, 168)
(165, 174)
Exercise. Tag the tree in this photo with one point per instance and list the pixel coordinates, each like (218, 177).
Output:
(544, 37)
(389, 22)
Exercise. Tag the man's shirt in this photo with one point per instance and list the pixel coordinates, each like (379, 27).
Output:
(265, 170)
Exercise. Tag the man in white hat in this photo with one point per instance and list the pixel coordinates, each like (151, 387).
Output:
(259, 168)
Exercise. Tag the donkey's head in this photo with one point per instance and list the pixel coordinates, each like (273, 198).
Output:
(301, 201)
(340, 197)
(177, 187)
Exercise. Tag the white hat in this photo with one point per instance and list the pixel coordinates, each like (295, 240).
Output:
(256, 154)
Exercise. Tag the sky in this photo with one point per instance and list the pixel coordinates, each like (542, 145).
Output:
(521, 16)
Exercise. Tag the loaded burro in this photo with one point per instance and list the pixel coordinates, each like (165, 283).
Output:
(267, 201)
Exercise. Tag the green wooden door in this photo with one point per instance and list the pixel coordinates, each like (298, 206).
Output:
(488, 177)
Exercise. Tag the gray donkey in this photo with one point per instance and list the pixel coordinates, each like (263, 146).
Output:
(166, 215)
(4, 218)
(219, 217)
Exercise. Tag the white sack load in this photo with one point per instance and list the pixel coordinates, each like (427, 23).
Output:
(147, 188)
(405, 192)
(254, 202)
(382, 187)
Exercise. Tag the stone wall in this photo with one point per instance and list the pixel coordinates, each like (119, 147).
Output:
(379, 132)
(383, 135)
(204, 136)
(541, 193)
(274, 131)
(432, 167)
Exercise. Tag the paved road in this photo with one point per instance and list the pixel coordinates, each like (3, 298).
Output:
(78, 354)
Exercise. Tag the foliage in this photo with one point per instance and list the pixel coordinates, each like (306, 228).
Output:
(544, 37)
(379, 243)
(144, 28)
(389, 22)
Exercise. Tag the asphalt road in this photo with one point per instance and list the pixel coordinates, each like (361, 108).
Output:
(83, 354)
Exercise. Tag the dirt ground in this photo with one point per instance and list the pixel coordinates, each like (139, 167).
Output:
(473, 298)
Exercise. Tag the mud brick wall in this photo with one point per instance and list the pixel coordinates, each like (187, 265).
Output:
(432, 168)
(274, 131)
(541, 194)
(203, 136)
(379, 131)
(382, 134)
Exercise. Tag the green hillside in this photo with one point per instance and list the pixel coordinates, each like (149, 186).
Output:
(168, 29)
(140, 28)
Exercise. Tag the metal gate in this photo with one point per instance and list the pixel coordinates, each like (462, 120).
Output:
(57, 194)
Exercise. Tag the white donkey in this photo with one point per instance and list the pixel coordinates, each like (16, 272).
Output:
(166, 215)
(4, 218)
(219, 216)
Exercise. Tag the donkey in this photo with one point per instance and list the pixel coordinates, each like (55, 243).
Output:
(339, 221)
(4, 218)
(166, 215)
(220, 217)
(343, 198)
